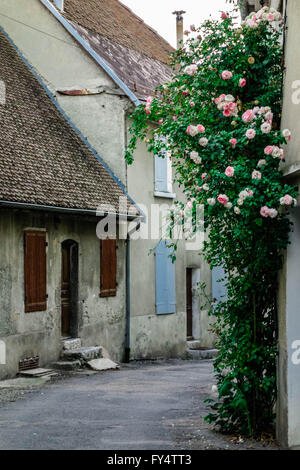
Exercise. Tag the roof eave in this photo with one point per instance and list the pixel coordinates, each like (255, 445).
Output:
(66, 210)
(91, 51)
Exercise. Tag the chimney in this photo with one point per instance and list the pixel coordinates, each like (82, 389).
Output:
(59, 4)
(179, 27)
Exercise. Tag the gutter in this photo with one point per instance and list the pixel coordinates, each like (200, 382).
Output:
(65, 210)
(91, 51)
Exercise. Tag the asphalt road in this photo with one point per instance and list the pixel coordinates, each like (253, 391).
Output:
(137, 407)
(144, 406)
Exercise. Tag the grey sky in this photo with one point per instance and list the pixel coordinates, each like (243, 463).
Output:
(158, 13)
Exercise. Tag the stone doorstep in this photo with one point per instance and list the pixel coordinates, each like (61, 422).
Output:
(85, 354)
(68, 365)
(71, 344)
(202, 353)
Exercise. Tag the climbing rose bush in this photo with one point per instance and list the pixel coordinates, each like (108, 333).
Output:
(220, 115)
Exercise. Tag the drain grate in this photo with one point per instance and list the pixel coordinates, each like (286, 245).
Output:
(29, 363)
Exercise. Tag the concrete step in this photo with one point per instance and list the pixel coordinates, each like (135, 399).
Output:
(68, 365)
(202, 353)
(83, 354)
(70, 344)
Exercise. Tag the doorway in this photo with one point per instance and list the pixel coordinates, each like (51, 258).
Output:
(189, 303)
(69, 288)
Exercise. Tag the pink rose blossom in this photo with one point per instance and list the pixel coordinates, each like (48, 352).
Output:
(269, 149)
(270, 17)
(226, 75)
(265, 211)
(242, 82)
(273, 213)
(286, 200)
(199, 189)
(192, 27)
(186, 32)
(256, 175)
(233, 142)
(250, 134)
(250, 193)
(223, 199)
(201, 128)
(282, 154)
(192, 103)
(223, 15)
(203, 176)
(229, 171)
(226, 112)
(185, 93)
(248, 115)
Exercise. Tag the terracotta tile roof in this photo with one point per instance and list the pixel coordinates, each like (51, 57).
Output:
(113, 20)
(139, 72)
(42, 159)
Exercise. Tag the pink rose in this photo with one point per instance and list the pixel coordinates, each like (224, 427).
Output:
(269, 149)
(201, 128)
(203, 176)
(248, 115)
(256, 175)
(229, 171)
(233, 142)
(186, 32)
(250, 134)
(265, 211)
(192, 103)
(223, 199)
(160, 121)
(185, 93)
(199, 188)
(282, 154)
(273, 213)
(226, 112)
(192, 27)
(286, 200)
(226, 75)
(242, 82)
(223, 15)
(270, 17)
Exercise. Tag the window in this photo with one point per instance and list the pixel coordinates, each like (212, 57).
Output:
(108, 268)
(35, 270)
(163, 175)
(165, 280)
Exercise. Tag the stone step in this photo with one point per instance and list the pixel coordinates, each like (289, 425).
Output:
(83, 354)
(70, 344)
(202, 353)
(68, 365)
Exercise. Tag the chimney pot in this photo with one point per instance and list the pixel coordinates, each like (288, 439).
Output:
(179, 27)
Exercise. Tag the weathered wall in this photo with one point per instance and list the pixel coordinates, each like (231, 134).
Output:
(288, 409)
(153, 334)
(101, 320)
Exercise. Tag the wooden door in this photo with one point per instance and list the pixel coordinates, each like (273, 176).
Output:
(189, 300)
(65, 291)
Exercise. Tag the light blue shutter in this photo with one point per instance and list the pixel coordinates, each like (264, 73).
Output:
(161, 173)
(165, 280)
(219, 290)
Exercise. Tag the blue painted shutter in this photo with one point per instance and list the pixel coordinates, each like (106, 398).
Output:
(219, 290)
(165, 280)
(161, 173)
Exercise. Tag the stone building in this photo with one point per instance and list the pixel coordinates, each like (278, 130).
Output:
(57, 279)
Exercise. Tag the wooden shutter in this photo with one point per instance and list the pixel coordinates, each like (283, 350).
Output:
(164, 280)
(108, 268)
(161, 173)
(35, 270)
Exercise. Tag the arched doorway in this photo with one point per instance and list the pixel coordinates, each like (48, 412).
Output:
(69, 288)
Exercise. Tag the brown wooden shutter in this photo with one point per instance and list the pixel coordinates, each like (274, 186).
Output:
(108, 268)
(35, 270)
